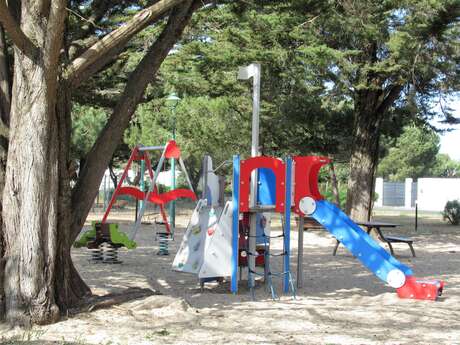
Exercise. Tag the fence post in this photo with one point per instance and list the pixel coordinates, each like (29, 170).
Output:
(379, 191)
(408, 193)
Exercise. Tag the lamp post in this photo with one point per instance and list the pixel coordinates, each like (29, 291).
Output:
(244, 73)
(172, 102)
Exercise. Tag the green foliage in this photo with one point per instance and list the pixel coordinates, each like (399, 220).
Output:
(294, 118)
(87, 122)
(451, 212)
(413, 155)
(320, 63)
(329, 195)
(445, 166)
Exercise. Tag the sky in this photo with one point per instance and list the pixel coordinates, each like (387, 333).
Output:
(450, 141)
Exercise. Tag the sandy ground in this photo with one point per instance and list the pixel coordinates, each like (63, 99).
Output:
(340, 303)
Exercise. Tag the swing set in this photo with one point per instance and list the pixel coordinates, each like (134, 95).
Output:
(141, 153)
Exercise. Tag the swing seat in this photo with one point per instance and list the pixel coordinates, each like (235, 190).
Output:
(159, 199)
(164, 198)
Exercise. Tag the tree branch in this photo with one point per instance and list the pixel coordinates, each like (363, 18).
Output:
(19, 38)
(113, 43)
(390, 98)
(99, 156)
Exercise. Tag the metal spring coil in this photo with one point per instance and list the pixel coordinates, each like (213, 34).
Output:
(96, 255)
(163, 239)
(111, 254)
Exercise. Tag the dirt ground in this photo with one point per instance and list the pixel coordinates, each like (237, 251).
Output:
(340, 303)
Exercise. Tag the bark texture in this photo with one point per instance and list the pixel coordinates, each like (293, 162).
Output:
(70, 287)
(42, 215)
(371, 107)
(362, 167)
(30, 200)
(5, 87)
(5, 102)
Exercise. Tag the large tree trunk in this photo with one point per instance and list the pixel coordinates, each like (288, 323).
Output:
(5, 100)
(371, 107)
(363, 161)
(31, 195)
(5, 97)
(42, 215)
(70, 287)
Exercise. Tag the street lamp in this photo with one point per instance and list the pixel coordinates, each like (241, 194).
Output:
(245, 73)
(172, 102)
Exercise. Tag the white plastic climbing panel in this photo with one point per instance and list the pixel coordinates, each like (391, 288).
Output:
(206, 249)
(218, 249)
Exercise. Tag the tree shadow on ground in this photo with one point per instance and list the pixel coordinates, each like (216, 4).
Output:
(325, 276)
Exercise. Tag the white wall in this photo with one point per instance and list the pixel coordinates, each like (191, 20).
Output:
(433, 193)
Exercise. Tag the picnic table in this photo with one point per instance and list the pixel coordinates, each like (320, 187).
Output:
(377, 226)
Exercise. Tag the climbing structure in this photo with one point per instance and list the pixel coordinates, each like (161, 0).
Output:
(272, 195)
(218, 244)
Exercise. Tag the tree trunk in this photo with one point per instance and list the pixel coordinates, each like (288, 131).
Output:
(363, 162)
(334, 184)
(113, 175)
(31, 195)
(42, 216)
(5, 100)
(70, 287)
(5, 97)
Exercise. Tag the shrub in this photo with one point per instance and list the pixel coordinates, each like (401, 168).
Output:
(452, 212)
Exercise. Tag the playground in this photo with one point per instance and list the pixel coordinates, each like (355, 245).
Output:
(229, 172)
(340, 303)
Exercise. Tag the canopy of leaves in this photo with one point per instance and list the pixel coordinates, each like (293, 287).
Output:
(414, 155)
(445, 166)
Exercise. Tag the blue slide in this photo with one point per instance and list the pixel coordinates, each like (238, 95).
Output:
(360, 244)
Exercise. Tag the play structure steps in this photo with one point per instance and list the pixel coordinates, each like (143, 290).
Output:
(266, 254)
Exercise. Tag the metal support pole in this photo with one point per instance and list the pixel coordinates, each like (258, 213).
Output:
(300, 253)
(235, 222)
(255, 111)
(151, 148)
(172, 205)
(205, 177)
(287, 226)
(147, 195)
(142, 183)
(253, 71)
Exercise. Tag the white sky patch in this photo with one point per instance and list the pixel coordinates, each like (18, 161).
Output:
(450, 141)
